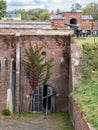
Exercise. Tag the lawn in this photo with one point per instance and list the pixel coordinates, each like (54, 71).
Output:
(86, 93)
(53, 121)
(89, 40)
(61, 120)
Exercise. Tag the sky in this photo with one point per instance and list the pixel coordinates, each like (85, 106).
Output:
(46, 4)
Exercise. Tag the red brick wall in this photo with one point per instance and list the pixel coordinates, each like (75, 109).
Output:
(57, 23)
(78, 16)
(58, 79)
(87, 25)
(95, 25)
(54, 47)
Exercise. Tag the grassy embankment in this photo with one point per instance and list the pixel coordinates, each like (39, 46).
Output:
(86, 93)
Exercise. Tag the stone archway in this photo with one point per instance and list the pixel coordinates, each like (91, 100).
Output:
(73, 21)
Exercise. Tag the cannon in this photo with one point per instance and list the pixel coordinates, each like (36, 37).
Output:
(74, 27)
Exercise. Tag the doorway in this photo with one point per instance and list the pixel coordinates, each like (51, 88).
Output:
(73, 21)
(43, 99)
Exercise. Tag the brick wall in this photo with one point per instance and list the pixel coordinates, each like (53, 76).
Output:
(53, 45)
(83, 24)
(76, 15)
(58, 80)
(87, 25)
(57, 23)
(95, 25)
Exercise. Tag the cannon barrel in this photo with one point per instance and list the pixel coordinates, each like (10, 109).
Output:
(72, 25)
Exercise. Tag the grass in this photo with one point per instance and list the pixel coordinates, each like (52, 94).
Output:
(64, 120)
(59, 120)
(86, 93)
(88, 40)
(28, 114)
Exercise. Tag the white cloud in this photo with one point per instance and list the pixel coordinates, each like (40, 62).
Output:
(8, 1)
(44, 0)
(58, 1)
(47, 4)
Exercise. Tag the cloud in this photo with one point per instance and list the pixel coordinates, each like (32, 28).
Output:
(58, 1)
(47, 4)
(21, 2)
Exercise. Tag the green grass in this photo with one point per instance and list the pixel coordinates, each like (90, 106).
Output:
(64, 120)
(28, 114)
(86, 93)
(89, 40)
(60, 119)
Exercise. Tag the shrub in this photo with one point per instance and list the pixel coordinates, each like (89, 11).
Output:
(6, 112)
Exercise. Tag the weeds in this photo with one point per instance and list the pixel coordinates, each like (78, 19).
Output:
(86, 93)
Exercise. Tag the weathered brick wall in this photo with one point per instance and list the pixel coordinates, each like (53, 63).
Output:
(58, 80)
(6, 54)
(54, 47)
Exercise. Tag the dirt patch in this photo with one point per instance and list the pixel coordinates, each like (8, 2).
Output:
(42, 122)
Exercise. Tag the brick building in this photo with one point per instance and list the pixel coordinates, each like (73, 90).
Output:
(85, 22)
(95, 25)
(15, 90)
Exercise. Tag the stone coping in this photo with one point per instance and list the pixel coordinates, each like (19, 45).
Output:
(27, 32)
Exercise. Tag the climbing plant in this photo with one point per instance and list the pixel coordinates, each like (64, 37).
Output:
(37, 69)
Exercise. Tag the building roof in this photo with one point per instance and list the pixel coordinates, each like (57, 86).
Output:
(61, 16)
(11, 15)
(29, 24)
(57, 16)
(87, 17)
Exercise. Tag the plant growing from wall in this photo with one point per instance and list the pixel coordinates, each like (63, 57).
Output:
(7, 111)
(37, 69)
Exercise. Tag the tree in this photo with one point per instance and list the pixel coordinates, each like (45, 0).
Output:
(44, 15)
(24, 14)
(57, 11)
(2, 7)
(75, 7)
(91, 9)
(38, 70)
(39, 14)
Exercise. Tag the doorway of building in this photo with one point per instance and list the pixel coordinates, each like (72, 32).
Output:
(73, 21)
(43, 99)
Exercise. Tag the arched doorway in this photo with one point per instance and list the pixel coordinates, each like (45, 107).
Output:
(73, 21)
(43, 99)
